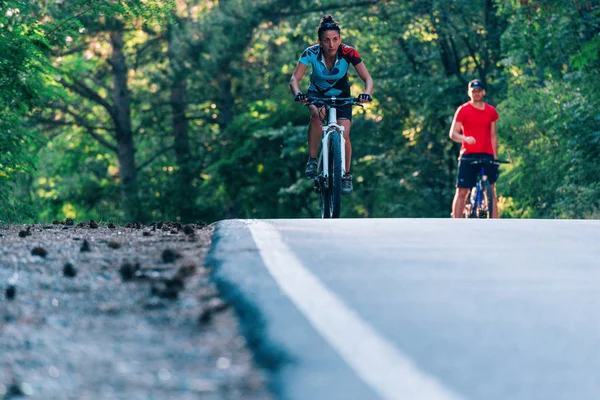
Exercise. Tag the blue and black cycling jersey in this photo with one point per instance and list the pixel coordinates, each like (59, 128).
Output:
(332, 82)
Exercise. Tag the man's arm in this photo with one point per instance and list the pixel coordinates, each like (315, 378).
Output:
(455, 132)
(494, 139)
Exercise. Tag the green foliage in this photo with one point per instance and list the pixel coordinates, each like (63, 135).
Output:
(30, 33)
(588, 56)
(22, 72)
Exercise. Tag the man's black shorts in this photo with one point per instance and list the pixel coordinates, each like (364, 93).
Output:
(342, 112)
(467, 173)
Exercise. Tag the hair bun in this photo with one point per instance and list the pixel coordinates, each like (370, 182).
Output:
(328, 24)
(327, 19)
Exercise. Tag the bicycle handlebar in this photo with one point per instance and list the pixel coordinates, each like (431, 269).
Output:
(478, 160)
(334, 101)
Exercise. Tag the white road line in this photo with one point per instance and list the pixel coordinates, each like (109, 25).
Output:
(374, 359)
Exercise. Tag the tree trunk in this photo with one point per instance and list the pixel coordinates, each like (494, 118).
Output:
(184, 193)
(495, 28)
(180, 125)
(225, 101)
(124, 133)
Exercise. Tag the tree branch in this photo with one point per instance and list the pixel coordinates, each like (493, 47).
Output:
(61, 122)
(460, 77)
(73, 50)
(97, 81)
(472, 52)
(102, 141)
(413, 62)
(149, 43)
(154, 157)
(69, 19)
(91, 130)
(83, 90)
(154, 106)
(340, 6)
(92, 133)
(206, 118)
(50, 126)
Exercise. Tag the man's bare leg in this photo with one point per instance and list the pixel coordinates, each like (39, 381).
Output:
(495, 202)
(458, 204)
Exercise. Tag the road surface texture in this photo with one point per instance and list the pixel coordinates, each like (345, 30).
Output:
(417, 308)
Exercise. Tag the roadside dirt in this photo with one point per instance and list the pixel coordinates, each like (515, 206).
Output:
(99, 312)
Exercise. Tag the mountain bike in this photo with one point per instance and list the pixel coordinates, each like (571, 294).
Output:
(332, 156)
(480, 201)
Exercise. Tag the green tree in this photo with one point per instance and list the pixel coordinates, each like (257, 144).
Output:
(551, 108)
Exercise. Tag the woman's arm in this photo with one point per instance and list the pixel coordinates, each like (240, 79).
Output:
(365, 76)
(297, 77)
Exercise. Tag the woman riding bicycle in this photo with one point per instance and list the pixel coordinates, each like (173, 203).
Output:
(330, 60)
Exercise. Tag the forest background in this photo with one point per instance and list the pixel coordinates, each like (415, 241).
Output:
(141, 110)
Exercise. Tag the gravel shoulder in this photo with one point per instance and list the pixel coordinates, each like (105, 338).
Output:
(92, 312)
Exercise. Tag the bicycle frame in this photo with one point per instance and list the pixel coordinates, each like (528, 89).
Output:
(482, 177)
(476, 202)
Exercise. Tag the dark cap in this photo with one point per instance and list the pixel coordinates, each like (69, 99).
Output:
(476, 84)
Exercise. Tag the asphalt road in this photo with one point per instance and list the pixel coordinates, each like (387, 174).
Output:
(418, 308)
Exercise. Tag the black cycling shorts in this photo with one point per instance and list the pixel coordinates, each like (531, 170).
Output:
(467, 172)
(343, 112)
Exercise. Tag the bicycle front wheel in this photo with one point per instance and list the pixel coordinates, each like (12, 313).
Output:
(325, 200)
(484, 204)
(335, 173)
(488, 199)
(324, 183)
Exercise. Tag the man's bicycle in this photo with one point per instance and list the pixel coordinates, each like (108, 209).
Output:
(332, 157)
(480, 201)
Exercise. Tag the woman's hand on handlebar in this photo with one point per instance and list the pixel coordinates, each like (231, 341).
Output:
(365, 98)
(301, 97)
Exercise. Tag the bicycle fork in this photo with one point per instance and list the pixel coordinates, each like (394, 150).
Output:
(477, 200)
(479, 189)
(325, 130)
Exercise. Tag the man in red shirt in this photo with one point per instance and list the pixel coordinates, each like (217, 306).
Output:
(477, 122)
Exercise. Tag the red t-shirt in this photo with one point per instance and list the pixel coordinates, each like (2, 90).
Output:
(478, 124)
